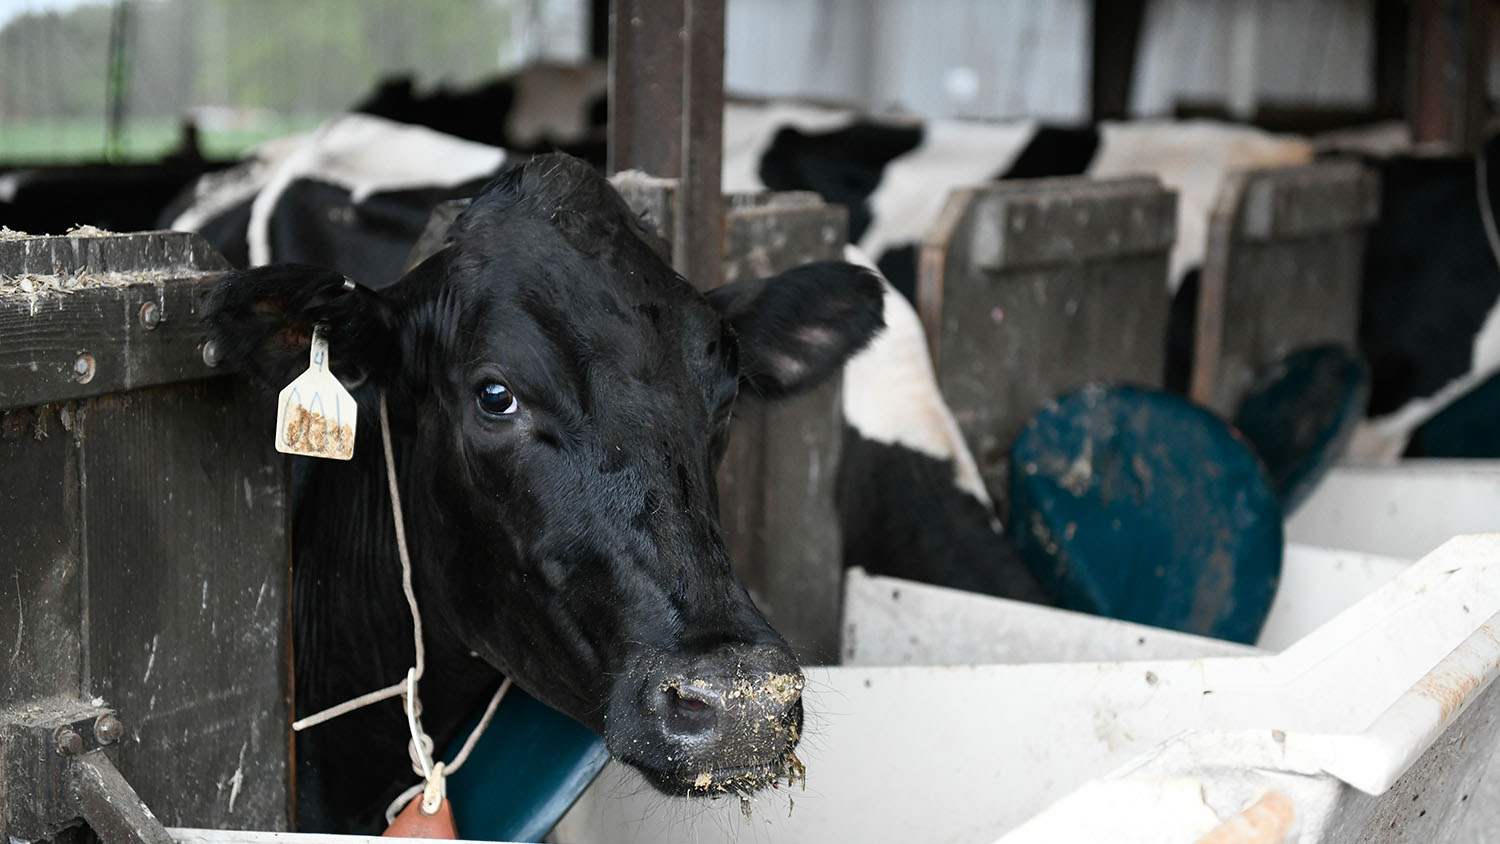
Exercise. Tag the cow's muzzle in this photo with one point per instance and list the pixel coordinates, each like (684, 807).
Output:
(725, 722)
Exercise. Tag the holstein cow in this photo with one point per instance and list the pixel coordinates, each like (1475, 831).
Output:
(538, 108)
(895, 176)
(559, 401)
(1430, 304)
(354, 195)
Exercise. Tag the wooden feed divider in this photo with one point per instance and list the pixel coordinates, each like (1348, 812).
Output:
(1028, 289)
(1281, 270)
(144, 513)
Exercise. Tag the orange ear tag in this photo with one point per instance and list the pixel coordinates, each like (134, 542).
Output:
(416, 822)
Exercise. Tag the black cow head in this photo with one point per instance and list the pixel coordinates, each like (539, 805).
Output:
(561, 401)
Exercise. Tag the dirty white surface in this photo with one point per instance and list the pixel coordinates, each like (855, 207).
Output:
(967, 753)
(888, 621)
(1319, 583)
(1403, 509)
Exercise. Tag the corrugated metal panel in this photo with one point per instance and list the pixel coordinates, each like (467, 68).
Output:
(1020, 58)
(980, 58)
(1306, 53)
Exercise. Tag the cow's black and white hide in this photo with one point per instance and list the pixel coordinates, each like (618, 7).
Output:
(353, 194)
(895, 175)
(1430, 306)
(912, 503)
(538, 108)
(911, 499)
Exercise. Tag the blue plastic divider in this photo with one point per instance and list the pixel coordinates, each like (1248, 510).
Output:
(1138, 505)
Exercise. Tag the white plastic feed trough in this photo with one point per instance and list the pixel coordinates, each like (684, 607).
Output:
(970, 719)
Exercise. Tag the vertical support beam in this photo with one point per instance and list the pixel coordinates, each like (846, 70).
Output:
(1116, 35)
(699, 238)
(1392, 56)
(1451, 53)
(666, 110)
(599, 29)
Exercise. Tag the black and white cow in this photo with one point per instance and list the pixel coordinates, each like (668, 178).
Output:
(537, 108)
(560, 400)
(352, 196)
(895, 176)
(1430, 306)
(1430, 303)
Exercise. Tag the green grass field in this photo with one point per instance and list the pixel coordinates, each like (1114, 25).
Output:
(76, 141)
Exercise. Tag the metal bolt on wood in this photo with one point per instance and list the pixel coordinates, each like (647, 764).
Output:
(211, 354)
(69, 742)
(150, 315)
(83, 368)
(108, 729)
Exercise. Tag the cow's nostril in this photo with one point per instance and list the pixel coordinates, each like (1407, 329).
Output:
(689, 711)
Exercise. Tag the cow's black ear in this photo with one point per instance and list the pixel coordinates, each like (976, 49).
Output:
(798, 328)
(261, 321)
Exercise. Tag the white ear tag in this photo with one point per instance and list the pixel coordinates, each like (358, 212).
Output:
(316, 416)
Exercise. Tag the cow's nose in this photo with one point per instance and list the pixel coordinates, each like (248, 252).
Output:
(689, 709)
(754, 698)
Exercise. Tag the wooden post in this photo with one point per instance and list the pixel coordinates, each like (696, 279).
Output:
(1392, 54)
(1450, 43)
(666, 111)
(145, 521)
(1116, 35)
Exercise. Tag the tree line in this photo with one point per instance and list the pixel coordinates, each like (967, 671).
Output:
(289, 56)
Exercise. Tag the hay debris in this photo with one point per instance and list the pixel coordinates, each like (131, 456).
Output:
(90, 231)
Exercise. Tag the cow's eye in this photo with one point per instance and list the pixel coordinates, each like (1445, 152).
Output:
(497, 398)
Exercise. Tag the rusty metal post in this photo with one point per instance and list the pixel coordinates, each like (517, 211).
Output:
(54, 774)
(1450, 45)
(666, 110)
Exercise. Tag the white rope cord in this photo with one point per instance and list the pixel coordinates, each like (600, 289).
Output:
(1486, 211)
(400, 687)
(420, 748)
(484, 721)
(423, 787)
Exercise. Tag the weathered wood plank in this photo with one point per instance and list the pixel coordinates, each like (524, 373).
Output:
(188, 607)
(1314, 199)
(778, 234)
(148, 527)
(162, 252)
(86, 316)
(56, 345)
(41, 649)
(1031, 289)
(1048, 221)
(1281, 270)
